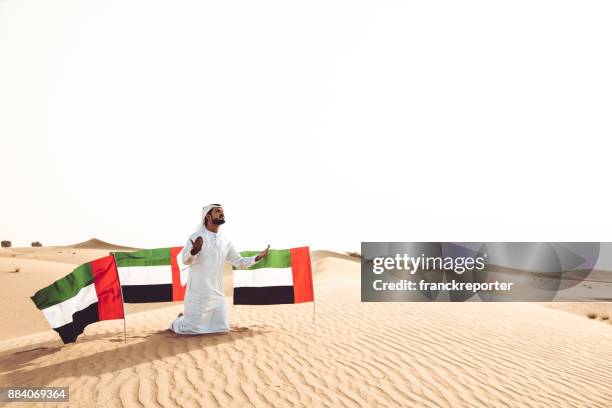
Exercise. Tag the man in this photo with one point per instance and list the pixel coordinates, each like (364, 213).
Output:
(205, 252)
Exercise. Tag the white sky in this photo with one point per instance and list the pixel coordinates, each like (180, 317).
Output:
(324, 123)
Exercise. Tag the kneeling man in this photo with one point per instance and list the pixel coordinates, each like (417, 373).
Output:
(205, 252)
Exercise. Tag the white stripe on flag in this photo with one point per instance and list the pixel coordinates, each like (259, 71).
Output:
(263, 277)
(61, 313)
(145, 275)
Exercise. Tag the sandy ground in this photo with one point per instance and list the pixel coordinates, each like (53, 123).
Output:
(352, 354)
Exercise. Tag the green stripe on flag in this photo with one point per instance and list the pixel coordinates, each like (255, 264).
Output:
(146, 257)
(277, 258)
(64, 288)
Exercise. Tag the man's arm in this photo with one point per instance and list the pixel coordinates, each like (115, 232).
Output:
(241, 262)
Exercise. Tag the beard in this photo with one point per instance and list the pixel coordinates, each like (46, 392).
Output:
(218, 221)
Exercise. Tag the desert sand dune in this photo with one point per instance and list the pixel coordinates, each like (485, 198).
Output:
(353, 354)
(315, 256)
(95, 243)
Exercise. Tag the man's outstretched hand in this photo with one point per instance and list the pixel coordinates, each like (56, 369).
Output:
(196, 246)
(262, 254)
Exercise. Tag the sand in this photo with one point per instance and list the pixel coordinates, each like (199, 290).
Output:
(353, 354)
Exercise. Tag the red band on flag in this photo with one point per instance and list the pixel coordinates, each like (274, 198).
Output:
(178, 292)
(106, 281)
(302, 275)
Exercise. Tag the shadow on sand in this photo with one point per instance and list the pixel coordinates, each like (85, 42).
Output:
(19, 369)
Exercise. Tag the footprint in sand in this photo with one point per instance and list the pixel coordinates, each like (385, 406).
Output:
(239, 329)
(258, 327)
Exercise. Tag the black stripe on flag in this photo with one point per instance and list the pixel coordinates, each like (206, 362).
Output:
(147, 293)
(265, 295)
(69, 332)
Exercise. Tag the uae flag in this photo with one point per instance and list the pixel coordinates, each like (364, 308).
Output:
(89, 294)
(284, 276)
(151, 275)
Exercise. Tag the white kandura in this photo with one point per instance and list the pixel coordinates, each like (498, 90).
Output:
(205, 304)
